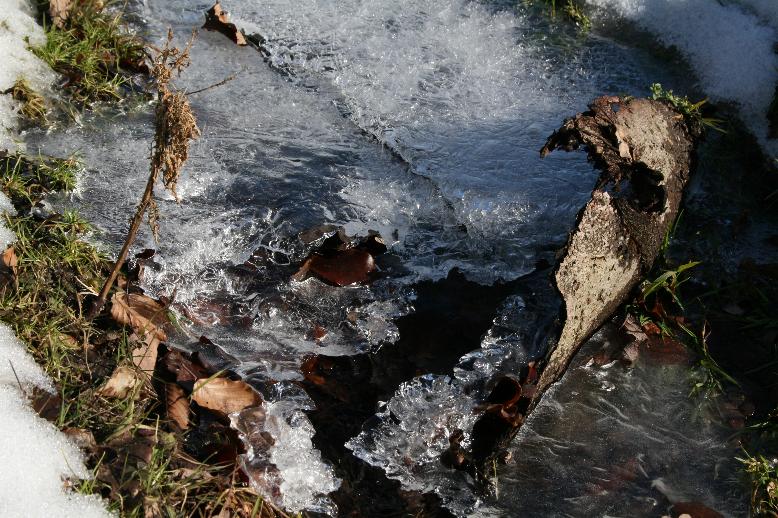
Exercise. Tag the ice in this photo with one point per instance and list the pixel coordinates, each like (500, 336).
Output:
(409, 434)
(420, 119)
(7, 236)
(462, 93)
(281, 461)
(617, 440)
(730, 50)
(17, 28)
(37, 458)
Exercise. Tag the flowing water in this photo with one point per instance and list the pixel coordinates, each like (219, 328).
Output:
(421, 120)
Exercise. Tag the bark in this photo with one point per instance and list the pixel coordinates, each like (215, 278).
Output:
(644, 149)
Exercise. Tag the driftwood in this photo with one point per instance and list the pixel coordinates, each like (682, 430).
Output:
(644, 149)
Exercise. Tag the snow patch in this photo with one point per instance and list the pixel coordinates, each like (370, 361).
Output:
(731, 50)
(36, 457)
(18, 31)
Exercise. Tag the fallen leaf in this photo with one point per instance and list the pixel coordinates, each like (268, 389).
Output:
(145, 355)
(59, 11)
(142, 313)
(663, 350)
(223, 395)
(182, 368)
(47, 405)
(82, 438)
(177, 405)
(217, 19)
(120, 384)
(8, 268)
(341, 269)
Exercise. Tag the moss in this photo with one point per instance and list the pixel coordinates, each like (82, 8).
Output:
(94, 51)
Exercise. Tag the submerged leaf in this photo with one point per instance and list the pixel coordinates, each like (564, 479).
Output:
(346, 267)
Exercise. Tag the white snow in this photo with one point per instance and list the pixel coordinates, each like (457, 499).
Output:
(18, 30)
(35, 457)
(729, 46)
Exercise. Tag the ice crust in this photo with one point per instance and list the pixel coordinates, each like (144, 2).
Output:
(465, 92)
(16, 25)
(616, 440)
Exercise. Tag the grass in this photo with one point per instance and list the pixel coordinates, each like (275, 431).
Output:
(94, 51)
(33, 105)
(692, 112)
(764, 482)
(57, 272)
(571, 10)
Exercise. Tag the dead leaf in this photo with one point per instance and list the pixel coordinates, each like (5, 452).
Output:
(182, 368)
(145, 355)
(8, 268)
(120, 384)
(217, 19)
(223, 395)
(341, 269)
(59, 11)
(82, 438)
(47, 405)
(143, 314)
(177, 405)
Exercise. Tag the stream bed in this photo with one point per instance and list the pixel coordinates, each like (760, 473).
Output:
(422, 121)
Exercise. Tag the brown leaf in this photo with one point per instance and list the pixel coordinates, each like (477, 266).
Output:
(82, 438)
(177, 405)
(59, 11)
(217, 19)
(181, 367)
(143, 314)
(341, 269)
(120, 384)
(224, 396)
(8, 268)
(145, 355)
(46, 405)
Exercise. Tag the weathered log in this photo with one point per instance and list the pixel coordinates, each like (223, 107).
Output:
(644, 149)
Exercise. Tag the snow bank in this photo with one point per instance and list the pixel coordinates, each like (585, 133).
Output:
(16, 25)
(35, 457)
(729, 46)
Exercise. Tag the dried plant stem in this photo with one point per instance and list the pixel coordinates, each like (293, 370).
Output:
(174, 127)
(131, 235)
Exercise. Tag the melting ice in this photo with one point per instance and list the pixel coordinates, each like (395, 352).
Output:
(419, 119)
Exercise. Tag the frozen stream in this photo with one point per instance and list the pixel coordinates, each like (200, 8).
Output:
(421, 120)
